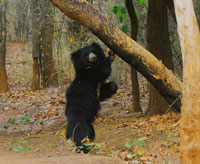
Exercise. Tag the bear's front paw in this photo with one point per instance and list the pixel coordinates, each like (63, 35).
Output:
(113, 87)
(111, 55)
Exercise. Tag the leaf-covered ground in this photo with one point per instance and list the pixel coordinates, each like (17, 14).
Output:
(32, 125)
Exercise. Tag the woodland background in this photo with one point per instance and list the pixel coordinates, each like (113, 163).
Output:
(36, 42)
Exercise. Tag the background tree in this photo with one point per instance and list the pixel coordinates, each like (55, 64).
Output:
(44, 71)
(36, 51)
(134, 77)
(22, 23)
(50, 76)
(159, 45)
(3, 76)
(190, 117)
(170, 6)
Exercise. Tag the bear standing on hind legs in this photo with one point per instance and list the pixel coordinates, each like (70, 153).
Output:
(92, 68)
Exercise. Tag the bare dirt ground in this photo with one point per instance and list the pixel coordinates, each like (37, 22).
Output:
(123, 137)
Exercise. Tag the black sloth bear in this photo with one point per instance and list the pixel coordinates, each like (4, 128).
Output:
(83, 96)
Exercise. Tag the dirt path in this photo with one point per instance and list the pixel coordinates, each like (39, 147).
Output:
(46, 147)
(49, 147)
(14, 158)
(41, 140)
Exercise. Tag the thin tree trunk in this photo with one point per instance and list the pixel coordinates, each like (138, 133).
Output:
(159, 44)
(170, 5)
(134, 76)
(50, 76)
(35, 45)
(36, 75)
(3, 76)
(190, 116)
(23, 20)
(126, 48)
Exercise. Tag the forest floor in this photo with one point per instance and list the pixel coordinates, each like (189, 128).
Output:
(32, 126)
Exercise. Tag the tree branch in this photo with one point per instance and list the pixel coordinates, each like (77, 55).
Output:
(126, 48)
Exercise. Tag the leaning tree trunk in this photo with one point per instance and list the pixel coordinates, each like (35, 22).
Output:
(126, 48)
(35, 45)
(3, 76)
(190, 117)
(50, 76)
(159, 44)
(134, 76)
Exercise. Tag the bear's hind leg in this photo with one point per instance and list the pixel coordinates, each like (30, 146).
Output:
(92, 132)
(80, 131)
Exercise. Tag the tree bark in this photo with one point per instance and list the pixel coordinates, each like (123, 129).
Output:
(159, 44)
(134, 76)
(3, 76)
(126, 48)
(50, 76)
(190, 117)
(35, 45)
(170, 5)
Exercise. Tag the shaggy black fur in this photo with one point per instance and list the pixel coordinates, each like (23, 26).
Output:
(83, 101)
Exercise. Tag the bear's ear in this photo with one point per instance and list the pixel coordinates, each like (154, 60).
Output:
(98, 50)
(75, 58)
(97, 46)
(75, 55)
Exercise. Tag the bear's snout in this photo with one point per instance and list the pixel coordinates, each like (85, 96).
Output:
(92, 58)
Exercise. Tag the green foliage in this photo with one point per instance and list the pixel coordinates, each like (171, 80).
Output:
(12, 121)
(92, 145)
(136, 146)
(32, 102)
(5, 127)
(122, 14)
(141, 2)
(132, 143)
(142, 139)
(18, 148)
(124, 29)
(9, 145)
(22, 142)
(2, 1)
(24, 120)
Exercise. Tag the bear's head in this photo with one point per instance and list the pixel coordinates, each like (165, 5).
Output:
(87, 57)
